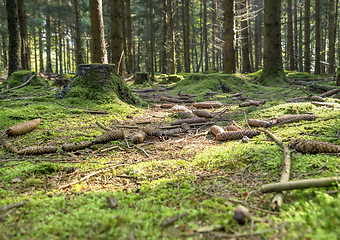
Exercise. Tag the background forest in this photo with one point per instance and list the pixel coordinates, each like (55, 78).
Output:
(179, 35)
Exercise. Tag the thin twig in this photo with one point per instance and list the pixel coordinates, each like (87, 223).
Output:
(20, 86)
(99, 124)
(141, 149)
(18, 204)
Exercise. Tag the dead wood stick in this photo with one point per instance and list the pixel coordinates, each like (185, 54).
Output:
(285, 174)
(109, 149)
(122, 126)
(99, 124)
(300, 184)
(90, 175)
(193, 124)
(169, 221)
(18, 204)
(323, 104)
(141, 149)
(20, 86)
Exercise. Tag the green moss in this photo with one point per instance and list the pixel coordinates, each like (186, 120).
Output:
(91, 88)
(19, 77)
(68, 76)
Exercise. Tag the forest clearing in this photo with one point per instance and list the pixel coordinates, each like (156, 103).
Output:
(174, 185)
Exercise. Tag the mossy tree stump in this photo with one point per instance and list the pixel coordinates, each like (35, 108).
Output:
(141, 78)
(100, 83)
(337, 76)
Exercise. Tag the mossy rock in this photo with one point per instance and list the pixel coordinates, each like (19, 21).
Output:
(100, 83)
(19, 77)
(175, 78)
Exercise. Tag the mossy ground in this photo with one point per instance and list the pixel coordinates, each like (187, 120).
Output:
(193, 175)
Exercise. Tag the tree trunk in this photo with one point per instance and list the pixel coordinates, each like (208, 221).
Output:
(331, 38)
(258, 34)
(272, 58)
(177, 38)
(41, 53)
(165, 34)
(56, 47)
(172, 39)
(68, 61)
(213, 34)
(13, 36)
(300, 43)
(25, 51)
(186, 36)
(295, 35)
(99, 54)
(124, 35)
(317, 38)
(48, 45)
(60, 35)
(229, 52)
(244, 37)
(151, 37)
(130, 56)
(4, 48)
(205, 36)
(307, 37)
(290, 36)
(35, 49)
(79, 57)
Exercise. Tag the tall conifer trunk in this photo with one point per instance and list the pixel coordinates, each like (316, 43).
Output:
(129, 54)
(307, 37)
(331, 38)
(205, 36)
(290, 36)
(79, 57)
(245, 36)
(229, 52)
(317, 38)
(165, 37)
(25, 51)
(172, 39)
(186, 36)
(258, 34)
(14, 38)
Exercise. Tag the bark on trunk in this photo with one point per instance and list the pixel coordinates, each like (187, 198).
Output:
(13, 36)
(25, 51)
(48, 45)
(205, 36)
(41, 59)
(290, 36)
(130, 56)
(177, 38)
(172, 39)
(307, 36)
(165, 34)
(317, 38)
(186, 36)
(151, 37)
(331, 38)
(99, 54)
(79, 53)
(244, 37)
(213, 23)
(258, 35)
(229, 52)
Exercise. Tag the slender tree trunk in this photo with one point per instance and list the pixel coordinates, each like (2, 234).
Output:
(272, 58)
(258, 34)
(35, 49)
(139, 53)
(229, 52)
(177, 38)
(317, 38)
(186, 36)
(68, 54)
(129, 37)
(25, 51)
(60, 35)
(56, 47)
(213, 34)
(99, 54)
(205, 36)
(290, 36)
(165, 35)
(48, 45)
(331, 38)
(250, 42)
(244, 38)
(300, 43)
(41, 52)
(4, 48)
(14, 38)
(307, 37)
(79, 57)
(193, 37)
(201, 40)
(295, 34)
(172, 39)
(124, 35)
(151, 37)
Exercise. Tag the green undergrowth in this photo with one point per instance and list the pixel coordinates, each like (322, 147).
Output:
(289, 74)
(19, 77)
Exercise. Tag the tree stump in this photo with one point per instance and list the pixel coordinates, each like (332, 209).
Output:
(100, 83)
(141, 78)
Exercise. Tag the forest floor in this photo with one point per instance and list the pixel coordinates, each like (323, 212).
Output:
(180, 186)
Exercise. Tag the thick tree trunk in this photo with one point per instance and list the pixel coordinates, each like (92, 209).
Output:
(244, 37)
(79, 53)
(331, 38)
(205, 36)
(290, 36)
(117, 46)
(165, 35)
(151, 37)
(14, 38)
(186, 36)
(229, 52)
(317, 38)
(25, 51)
(272, 58)
(99, 54)
(130, 56)
(307, 37)
(258, 34)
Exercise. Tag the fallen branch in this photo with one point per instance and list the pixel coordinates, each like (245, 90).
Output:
(18, 204)
(169, 221)
(301, 184)
(20, 86)
(99, 124)
(285, 174)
